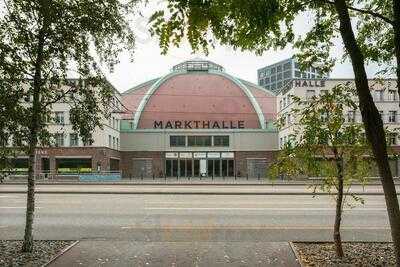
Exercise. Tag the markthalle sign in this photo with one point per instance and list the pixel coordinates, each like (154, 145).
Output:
(177, 124)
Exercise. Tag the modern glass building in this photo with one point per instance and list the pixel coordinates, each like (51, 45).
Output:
(274, 77)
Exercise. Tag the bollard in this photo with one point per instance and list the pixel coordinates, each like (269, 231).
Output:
(247, 176)
(153, 176)
(259, 177)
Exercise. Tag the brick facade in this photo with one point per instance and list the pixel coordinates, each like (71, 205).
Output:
(241, 158)
(158, 161)
(126, 165)
(100, 156)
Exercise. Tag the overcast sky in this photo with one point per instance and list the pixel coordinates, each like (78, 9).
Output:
(149, 63)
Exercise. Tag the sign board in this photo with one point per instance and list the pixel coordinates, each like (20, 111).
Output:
(177, 124)
(199, 155)
(227, 155)
(100, 177)
(185, 155)
(171, 155)
(309, 83)
(213, 155)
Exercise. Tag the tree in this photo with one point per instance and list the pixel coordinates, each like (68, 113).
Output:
(258, 25)
(324, 144)
(41, 42)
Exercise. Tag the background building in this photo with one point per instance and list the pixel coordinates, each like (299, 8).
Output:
(385, 97)
(274, 77)
(70, 155)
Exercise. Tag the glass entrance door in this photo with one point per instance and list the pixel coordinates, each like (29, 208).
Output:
(217, 168)
(196, 168)
(210, 168)
(185, 168)
(171, 167)
(228, 168)
(214, 168)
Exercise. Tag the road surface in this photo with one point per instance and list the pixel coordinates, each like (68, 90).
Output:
(175, 218)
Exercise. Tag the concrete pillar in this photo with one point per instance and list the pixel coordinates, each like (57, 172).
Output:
(52, 164)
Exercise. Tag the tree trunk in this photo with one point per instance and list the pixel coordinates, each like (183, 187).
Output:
(372, 122)
(339, 204)
(33, 133)
(30, 205)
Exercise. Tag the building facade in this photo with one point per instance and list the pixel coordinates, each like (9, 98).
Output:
(385, 97)
(198, 121)
(69, 155)
(274, 77)
(195, 121)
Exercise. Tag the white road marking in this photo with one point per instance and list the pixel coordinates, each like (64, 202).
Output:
(16, 207)
(245, 227)
(278, 209)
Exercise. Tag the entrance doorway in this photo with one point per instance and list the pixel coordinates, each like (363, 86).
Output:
(228, 168)
(220, 168)
(171, 168)
(203, 166)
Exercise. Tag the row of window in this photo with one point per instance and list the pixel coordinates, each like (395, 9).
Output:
(73, 140)
(59, 118)
(199, 140)
(285, 101)
(392, 139)
(275, 86)
(113, 142)
(379, 95)
(390, 117)
(114, 123)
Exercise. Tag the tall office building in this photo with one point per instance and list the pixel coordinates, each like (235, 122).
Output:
(274, 77)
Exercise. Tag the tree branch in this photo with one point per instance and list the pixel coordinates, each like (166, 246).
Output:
(58, 98)
(364, 11)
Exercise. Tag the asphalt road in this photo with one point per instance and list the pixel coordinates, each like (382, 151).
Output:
(176, 218)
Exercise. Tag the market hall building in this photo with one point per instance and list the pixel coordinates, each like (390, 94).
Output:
(197, 121)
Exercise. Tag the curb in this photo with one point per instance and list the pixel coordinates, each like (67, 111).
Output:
(179, 184)
(59, 254)
(168, 183)
(296, 254)
(188, 193)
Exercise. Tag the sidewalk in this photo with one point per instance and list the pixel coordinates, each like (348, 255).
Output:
(131, 253)
(184, 181)
(185, 189)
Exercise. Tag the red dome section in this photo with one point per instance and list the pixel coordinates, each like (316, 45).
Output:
(198, 100)
(132, 100)
(266, 100)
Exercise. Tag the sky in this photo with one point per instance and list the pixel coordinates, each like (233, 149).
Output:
(148, 62)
